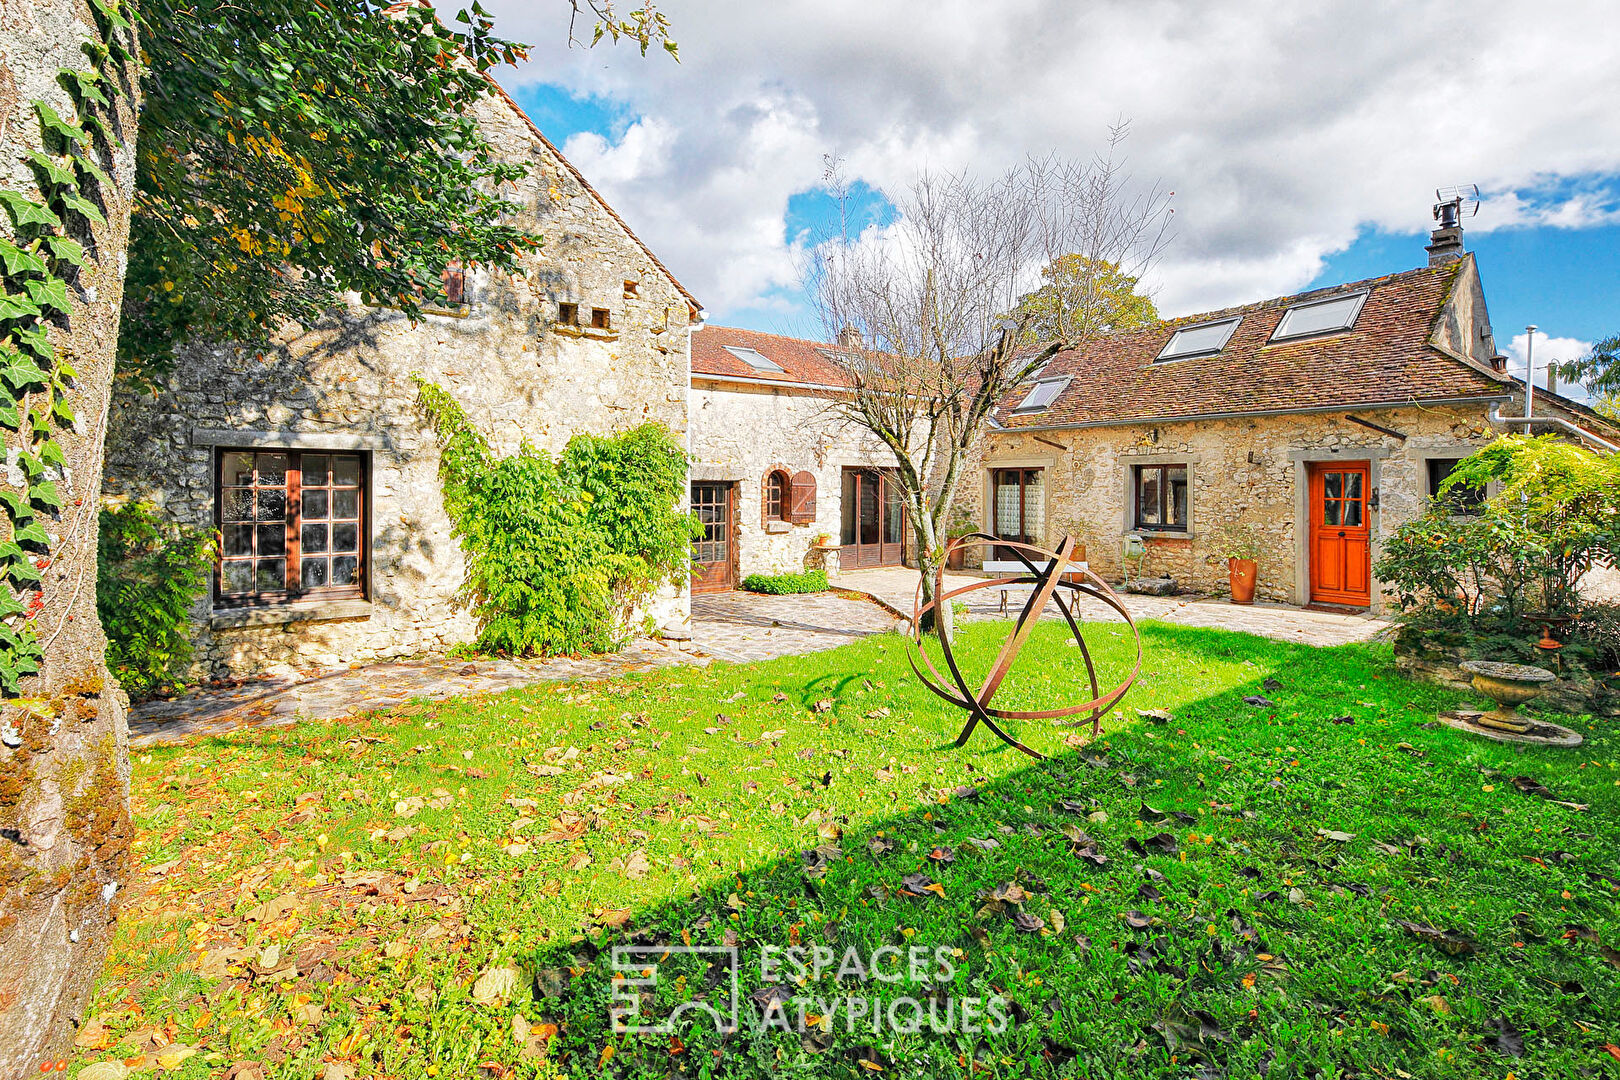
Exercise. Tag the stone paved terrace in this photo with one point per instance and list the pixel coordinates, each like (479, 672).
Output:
(737, 627)
(897, 586)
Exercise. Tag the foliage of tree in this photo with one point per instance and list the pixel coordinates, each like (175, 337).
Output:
(297, 151)
(1598, 370)
(560, 553)
(935, 300)
(1092, 296)
(1555, 516)
(149, 574)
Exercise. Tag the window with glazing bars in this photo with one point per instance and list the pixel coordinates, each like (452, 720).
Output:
(291, 526)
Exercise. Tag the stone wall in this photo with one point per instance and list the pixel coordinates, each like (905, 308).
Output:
(741, 431)
(1241, 471)
(346, 384)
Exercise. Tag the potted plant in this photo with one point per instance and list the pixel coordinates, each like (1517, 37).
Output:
(823, 542)
(1239, 545)
(1077, 527)
(961, 524)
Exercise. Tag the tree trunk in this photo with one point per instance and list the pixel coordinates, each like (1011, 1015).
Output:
(64, 761)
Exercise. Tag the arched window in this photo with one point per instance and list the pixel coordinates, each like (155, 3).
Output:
(777, 486)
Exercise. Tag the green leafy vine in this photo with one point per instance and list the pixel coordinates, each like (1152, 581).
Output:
(42, 260)
(560, 553)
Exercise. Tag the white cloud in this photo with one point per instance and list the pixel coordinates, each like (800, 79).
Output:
(1549, 350)
(1284, 128)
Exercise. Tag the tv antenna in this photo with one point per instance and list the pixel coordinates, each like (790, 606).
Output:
(1452, 204)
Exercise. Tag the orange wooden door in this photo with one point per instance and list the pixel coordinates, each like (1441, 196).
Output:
(714, 554)
(1341, 570)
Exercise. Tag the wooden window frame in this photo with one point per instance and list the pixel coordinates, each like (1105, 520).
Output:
(1465, 500)
(1163, 469)
(293, 591)
(1024, 473)
(601, 318)
(777, 489)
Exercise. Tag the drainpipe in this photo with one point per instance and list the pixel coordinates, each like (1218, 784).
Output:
(1496, 417)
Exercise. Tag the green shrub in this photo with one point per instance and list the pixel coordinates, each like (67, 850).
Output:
(149, 574)
(559, 553)
(781, 584)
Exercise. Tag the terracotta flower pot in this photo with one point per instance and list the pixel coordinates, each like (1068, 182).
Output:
(957, 557)
(1242, 573)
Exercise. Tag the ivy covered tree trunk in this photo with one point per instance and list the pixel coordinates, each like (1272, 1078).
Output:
(67, 134)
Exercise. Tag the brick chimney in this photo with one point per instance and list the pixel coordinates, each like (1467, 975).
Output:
(850, 338)
(1446, 243)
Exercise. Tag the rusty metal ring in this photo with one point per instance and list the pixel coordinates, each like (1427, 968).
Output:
(1048, 580)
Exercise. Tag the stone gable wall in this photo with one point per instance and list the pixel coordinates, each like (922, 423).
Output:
(347, 383)
(1242, 470)
(739, 432)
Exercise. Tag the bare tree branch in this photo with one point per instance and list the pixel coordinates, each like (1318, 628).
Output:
(926, 311)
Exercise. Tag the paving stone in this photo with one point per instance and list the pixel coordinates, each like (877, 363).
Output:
(736, 627)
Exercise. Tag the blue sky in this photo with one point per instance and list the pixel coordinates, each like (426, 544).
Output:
(1282, 181)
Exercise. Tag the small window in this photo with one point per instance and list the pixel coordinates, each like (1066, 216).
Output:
(1206, 339)
(291, 526)
(599, 318)
(1160, 497)
(455, 285)
(568, 314)
(1018, 504)
(777, 484)
(753, 358)
(1320, 317)
(1463, 498)
(1042, 394)
(630, 289)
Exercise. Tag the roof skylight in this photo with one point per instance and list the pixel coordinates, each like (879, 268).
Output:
(1206, 339)
(1320, 317)
(1042, 394)
(753, 358)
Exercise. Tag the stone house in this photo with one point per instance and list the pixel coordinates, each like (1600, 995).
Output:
(1320, 422)
(775, 467)
(318, 473)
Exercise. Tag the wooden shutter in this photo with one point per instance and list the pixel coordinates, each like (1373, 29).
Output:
(802, 498)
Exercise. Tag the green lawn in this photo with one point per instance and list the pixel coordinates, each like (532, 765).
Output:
(1212, 894)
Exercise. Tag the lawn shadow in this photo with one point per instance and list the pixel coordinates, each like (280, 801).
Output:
(1164, 902)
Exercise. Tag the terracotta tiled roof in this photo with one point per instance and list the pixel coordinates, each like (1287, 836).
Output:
(1386, 357)
(801, 361)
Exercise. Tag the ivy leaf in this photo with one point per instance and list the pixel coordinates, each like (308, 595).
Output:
(51, 292)
(54, 171)
(51, 453)
(85, 84)
(83, 206)
(25, 211)
(62, 411)
(32, 533)
(30, 464)
(90, 168)
(9, 605)
(20, 371)
(34, 339)
(109, 9)
(66, 249)
(20, 260)
(10, 418)
(45, 494)
(17, 307)
(53, 123)
(23, 570)
(9, 551)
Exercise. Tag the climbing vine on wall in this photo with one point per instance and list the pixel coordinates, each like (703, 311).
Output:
(42, 258)
(560, 552)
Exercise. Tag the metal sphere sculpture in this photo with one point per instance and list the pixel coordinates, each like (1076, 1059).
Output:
(1050, 575)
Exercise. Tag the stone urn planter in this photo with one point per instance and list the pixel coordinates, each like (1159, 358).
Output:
(1242, 574)
(1509, 685)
